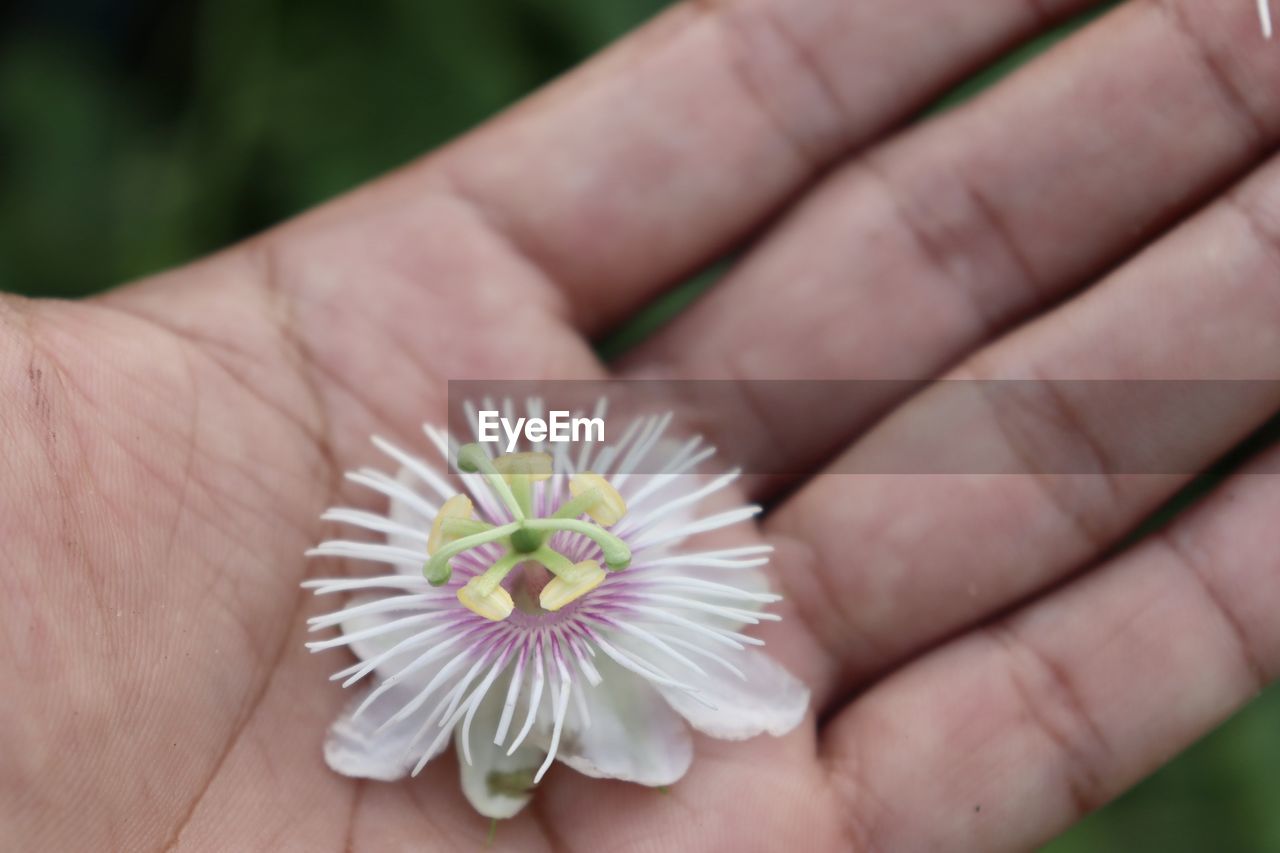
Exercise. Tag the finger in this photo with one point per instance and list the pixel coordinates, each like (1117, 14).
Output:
(1060, 471)
(915, 253)
(654, 158)
(1010, 734)
(609, 183)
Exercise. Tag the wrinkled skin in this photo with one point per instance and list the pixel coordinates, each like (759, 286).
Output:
(986, 668)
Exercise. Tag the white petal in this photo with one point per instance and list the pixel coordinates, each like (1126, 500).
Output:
(371, 646)
(355, 747)
(496, 784)
(416, 471)
(401, 512)
(699, 586)
(633, 735)
(769, 699)
(667, 535)
(367, 648)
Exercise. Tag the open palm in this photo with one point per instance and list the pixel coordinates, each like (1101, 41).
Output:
(170, 446)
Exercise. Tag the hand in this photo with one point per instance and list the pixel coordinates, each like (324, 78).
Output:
(170, 445)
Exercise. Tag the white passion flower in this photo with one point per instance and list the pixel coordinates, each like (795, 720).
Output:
(549, 612)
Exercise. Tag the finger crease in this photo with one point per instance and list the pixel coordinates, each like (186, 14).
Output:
(1191, 561)
(1229, 92)
(1072, 430)
(856, 796)
(1052, 704)
(1268, 239)
(998, 226)
(931, 250)
(739, 62)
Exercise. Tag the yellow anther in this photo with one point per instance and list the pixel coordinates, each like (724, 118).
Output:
(609, 507)
(458, 506)
(535, 466)
(585, 577)
(495, 606)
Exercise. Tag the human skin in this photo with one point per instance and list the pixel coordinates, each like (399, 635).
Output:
(986, 668)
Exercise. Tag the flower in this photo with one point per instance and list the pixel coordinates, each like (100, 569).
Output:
(557, 616)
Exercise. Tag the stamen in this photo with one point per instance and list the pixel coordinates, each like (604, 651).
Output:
(568, 586)
(535, 466)
(578, 505)
(484, 584)
(457, 507)
(607, 507)
(496, 605)
(521, 471)
(555, 562)
(437, 570)
(471, 459)
(456, 528)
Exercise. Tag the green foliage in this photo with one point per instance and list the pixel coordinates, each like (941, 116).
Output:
(1220, 796)
(196, 124)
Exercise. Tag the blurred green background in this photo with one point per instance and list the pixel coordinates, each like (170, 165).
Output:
(137, 134)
